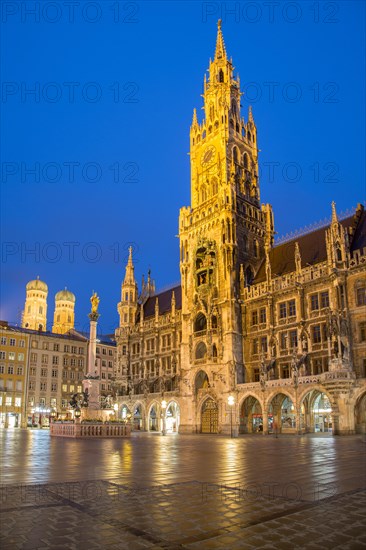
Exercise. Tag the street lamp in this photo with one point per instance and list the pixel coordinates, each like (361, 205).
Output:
(77, 414)
(163, 406)
(53, 414)
(231, 401)
(115, 407)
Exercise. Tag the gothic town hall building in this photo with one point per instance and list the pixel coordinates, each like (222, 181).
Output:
(258, 337)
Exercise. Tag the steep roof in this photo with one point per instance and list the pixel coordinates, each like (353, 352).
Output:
(312, 248)
(165, 301)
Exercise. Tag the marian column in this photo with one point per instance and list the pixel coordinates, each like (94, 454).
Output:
(91, 382)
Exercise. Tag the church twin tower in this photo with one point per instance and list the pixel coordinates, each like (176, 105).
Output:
(35, 309)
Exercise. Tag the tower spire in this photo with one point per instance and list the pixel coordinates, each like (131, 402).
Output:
(334, 213)
(130, 270)
(220, 44)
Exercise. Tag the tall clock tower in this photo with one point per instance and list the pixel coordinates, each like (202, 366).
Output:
(223, 235)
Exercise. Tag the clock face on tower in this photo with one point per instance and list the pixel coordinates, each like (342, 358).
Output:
(208, 155)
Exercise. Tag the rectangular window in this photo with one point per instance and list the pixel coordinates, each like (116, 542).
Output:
(12, 341)
(18, 385)
(66, 348)
(34, 357)
(20, 371)
(362, 331)
(103, 375)
(81, 351)
(255, 346)
(54, 373)
(104, 351)
(43, 372)
(72, 375)
(54, 360)
(56, 347)
(3, 341)
(316, 334)
(21, 343)
(32, 371)
(10, 370)
(361, 296)
(65, 362)
(80, 389)
(2, 369)
(73, 362)
(291, 308)
(8, 400)
(264, 344)
(293, 339)
(110, 352)
(262, 315)
(64, 388)
(18, 402)
(43, 386)
(73, 349)
(283, 310)
(314, 302)
(283, 340)
(256, 375)
(20, 356)
(42, 401)
(45, 345)
(72, 388)
(80, 362)
(2, 355)
(53, 402)
(254, 318)
(44, 359)
(324, 299)
(54, 386)
(285, 370)
(64, 403)
(32, 385)
(11, 356)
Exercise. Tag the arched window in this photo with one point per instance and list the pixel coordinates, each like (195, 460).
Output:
(201, 351)
(203, 194)
(339, 253)
(69, 318)
(245, 243)
(248, 276)
(255, 248)
(214, 351)
(40, 310)
(214, 321)
(249, 135)
(235, 154)
(237, 127)
(200, 323)
(58, 319)
(233, 107)
(214, 186)
(221, 75)
(246, 161)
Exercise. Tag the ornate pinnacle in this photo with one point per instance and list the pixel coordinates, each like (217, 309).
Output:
(220, 45)
(334, 213)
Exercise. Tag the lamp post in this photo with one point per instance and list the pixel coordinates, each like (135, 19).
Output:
(231, 401)
(163, 406)
(77, 414)
(115, 407)
(53, 414)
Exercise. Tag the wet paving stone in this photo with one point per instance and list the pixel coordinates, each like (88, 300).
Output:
(193, 492)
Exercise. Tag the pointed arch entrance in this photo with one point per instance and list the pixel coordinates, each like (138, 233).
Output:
(360, 415)
(209, 417)
(153, 418)
(172, 417)
(138, 423)
(251, 416)
(316, 412)
(281, 414)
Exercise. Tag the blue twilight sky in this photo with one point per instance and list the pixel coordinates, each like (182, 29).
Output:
(107, 130)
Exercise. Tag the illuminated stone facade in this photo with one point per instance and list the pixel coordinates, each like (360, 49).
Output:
(279, 328)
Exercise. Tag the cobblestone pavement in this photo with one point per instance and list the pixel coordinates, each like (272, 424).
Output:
(182, 492)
